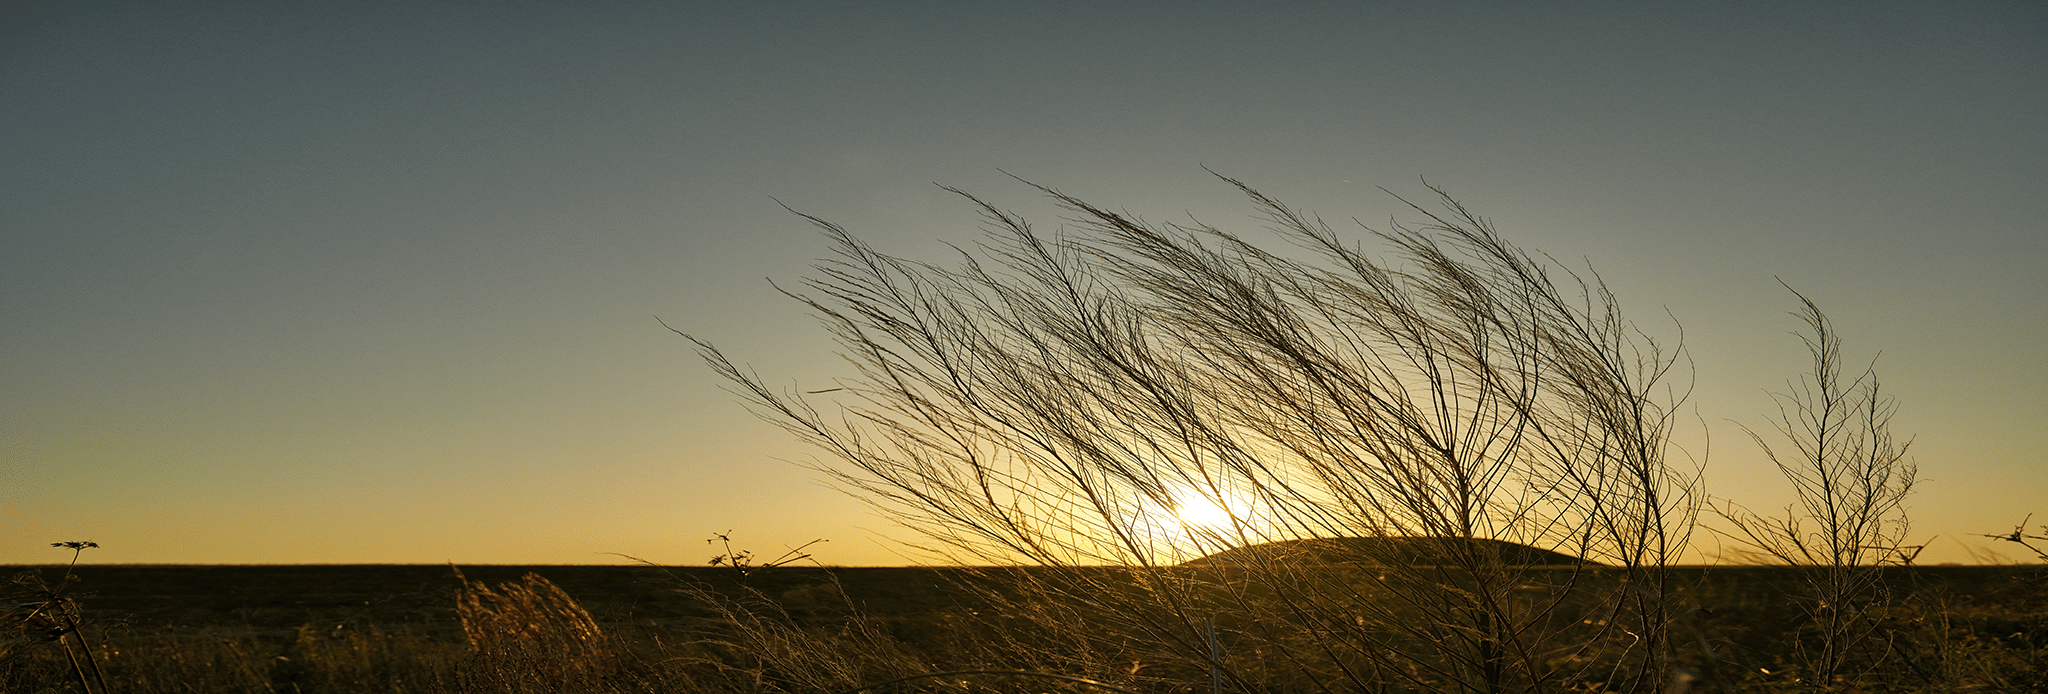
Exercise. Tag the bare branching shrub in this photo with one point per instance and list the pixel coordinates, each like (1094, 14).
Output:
(2020, 537)
(1138, 395)
(1851, 478)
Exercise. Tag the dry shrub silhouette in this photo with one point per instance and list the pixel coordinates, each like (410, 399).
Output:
(1054, 400)
(1851, 478)
(2020, 537)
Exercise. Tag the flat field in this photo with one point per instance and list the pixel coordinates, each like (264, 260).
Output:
(282, 598)
(397, 627)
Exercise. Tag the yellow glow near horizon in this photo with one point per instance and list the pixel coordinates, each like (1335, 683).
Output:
(1196, 522)
(1197, 511)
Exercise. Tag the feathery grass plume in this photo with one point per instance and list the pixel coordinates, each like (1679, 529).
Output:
(1071, 401)
(530, 636)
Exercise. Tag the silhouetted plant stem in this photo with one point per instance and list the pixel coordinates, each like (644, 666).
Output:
(68, 625)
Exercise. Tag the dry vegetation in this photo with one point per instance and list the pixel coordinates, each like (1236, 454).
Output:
(797, 629)
(1061, 407)
(1054, 400)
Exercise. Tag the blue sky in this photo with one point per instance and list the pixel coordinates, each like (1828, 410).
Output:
(378, 282)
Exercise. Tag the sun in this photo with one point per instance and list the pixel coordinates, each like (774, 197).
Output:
(1207, 519)
(1190, 521)
(1202, 513)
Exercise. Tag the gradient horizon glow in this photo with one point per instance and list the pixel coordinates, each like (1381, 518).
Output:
(379, 282)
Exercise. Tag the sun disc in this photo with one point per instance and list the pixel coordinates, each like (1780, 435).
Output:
(1202, 512)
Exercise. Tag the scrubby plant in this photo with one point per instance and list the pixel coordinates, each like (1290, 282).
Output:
(1068, 401)
(741, 561)
(1851, 478)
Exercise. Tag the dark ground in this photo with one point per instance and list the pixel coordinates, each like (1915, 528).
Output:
(1993, 618)
(284, 597)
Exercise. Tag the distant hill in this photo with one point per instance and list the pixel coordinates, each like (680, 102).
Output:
(1379, 550)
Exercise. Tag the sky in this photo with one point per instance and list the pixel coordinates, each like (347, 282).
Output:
(383, 282)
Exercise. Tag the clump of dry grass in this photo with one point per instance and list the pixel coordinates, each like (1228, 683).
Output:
(752, 642)
(28, 618)
(530, 636)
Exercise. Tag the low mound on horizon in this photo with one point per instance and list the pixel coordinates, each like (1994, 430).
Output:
(1380, 550)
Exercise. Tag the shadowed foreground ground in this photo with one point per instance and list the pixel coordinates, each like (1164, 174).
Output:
(396, 627)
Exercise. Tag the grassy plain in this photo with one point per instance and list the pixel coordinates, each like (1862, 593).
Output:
(397, 628)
